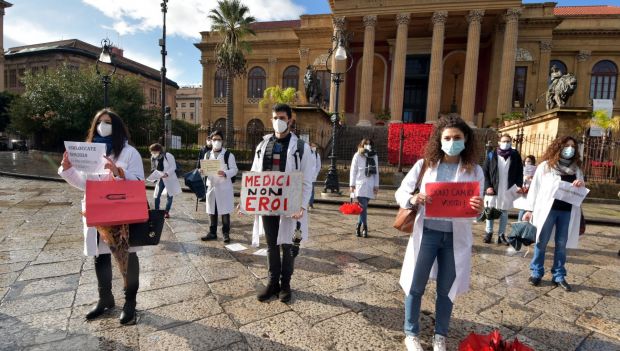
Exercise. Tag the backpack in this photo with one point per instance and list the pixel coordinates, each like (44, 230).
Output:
(178, 169)
(299, 152)
(226, 156)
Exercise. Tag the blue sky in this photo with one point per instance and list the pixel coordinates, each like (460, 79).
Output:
(135, 25)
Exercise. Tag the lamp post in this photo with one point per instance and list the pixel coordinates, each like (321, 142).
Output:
(162, 43)
(106, 76)
(341, 55)
(456, 72)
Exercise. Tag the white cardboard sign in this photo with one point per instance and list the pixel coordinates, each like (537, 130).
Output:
(86, 157)
(271, 193)
(566, 192)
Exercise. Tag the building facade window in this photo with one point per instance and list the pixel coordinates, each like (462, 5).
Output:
(220, 85)
(191, 104)
(183, 115)
(518, 91)
(604, 80)
(290, 77)
(191, 116)
(13, 78)
(257, 79)
(559, 64)
(325, 82)
(183, 104)
(220, 124)
(255, 132)
(153, 96)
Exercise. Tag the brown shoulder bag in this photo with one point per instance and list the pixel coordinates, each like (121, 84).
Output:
(406, 216)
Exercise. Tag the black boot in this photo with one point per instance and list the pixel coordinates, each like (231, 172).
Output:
(272, 289)
(487, 238)
(128, 316)
(365, 231)
(285, 292)
(226, 238)
(208, 237)
(358, 230)
(226, 227)
(501, 239)
(103, 270)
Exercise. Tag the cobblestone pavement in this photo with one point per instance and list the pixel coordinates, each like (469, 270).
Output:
(200, 296)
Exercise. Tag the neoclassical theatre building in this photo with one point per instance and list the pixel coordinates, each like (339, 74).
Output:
(414, 60)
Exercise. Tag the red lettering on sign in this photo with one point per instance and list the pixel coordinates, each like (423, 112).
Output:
(275, 205)
(248, 203)
(262, 204)
(285, 204)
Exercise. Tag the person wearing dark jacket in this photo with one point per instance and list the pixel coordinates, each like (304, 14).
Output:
(503, 168)
(201, 156)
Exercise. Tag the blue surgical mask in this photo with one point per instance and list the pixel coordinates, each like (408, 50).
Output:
(453, 147)
(568, 152)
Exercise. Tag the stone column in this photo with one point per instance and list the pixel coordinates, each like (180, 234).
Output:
(207, 99)
(543, 72)
(399, 62)
(303, 66)
(272, 75)
(3, 5)
(468, 102)
(436, 69)
(507, 72)
(367, 62)
(339, 23)
(582, 98)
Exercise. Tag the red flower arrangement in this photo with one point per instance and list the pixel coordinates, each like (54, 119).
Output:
(601, 164)
(415, 138)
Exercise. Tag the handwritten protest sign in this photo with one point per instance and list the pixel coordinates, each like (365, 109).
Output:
(451, 200)
(566, 192)
(210, 167)
(155, 176)
(86, 157)
(271, 193)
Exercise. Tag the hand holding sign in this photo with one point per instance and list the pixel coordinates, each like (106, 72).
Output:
(453, 200)
(271, 193)
(66, 164)
(85, 157)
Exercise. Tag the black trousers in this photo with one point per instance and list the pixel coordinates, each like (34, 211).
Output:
(280, 267)
(103, 269)
(225, 222)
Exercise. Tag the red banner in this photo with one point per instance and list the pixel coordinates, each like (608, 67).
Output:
(415, 139)
(450, 199)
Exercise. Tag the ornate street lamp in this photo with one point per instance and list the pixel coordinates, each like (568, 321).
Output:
(162, 43)
(105, 57)
(341, 54)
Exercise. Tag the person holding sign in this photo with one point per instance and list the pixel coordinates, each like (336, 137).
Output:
(202, 156)
(123, 162)
(560, 163)
(220, 195)
(364, 181)
(165, 163)
(503, 169)
(282, 152)
(441, 243)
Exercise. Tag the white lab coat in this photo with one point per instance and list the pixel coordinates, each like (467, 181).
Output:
(306, 166)
(364, 186)
(503, 201)
(220, 189)
(317, 165)
(462, 238)
(540, 201)
(131, 162)
(171, 181)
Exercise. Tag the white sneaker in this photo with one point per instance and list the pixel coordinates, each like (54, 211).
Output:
(439, 343)
(413, 343)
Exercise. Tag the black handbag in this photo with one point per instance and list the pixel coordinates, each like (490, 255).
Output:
(147, 233)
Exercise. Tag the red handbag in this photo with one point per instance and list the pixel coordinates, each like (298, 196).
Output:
(115, 202)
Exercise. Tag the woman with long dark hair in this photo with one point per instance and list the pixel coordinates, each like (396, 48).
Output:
(560, 163)
(123, 162)
(364, 180)
(450, 156)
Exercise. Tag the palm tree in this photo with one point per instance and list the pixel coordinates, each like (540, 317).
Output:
(232, 21)
(273, 95)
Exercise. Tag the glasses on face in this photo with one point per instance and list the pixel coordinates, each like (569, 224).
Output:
(216, 139)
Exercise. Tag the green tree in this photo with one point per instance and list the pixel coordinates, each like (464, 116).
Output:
(187, 131)
(6, 98)
(232, 21)
(274, 95)
(59, 104)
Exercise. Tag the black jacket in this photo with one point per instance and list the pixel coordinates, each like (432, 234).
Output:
(491, 176)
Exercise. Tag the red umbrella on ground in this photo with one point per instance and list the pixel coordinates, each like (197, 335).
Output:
(350, 208)
(491, 342)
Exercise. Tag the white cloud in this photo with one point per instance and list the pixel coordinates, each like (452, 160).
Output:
(24, 32)
(172, 72)
(184, 18)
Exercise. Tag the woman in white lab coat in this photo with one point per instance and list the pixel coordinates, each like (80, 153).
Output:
(364, 181)
(439, 247)
(220, 195)
(123, 162)
(165, 163)
(560, 163)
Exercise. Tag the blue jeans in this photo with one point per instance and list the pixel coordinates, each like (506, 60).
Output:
(503, 220)
(559, 220)
(363, 218)
(434, 245)
(520, 216)
(311, 203)
(158, 197)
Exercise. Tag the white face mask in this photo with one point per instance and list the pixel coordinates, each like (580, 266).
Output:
(279, 126)
(368, 147)
(505, 145)
(208, 142)
(155, 154)
(217, 145)
(313, 149)
(104, 129)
